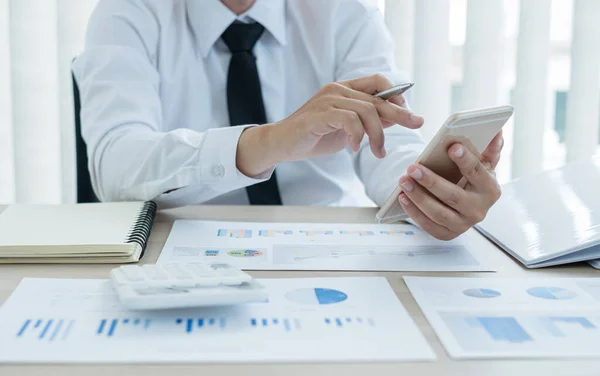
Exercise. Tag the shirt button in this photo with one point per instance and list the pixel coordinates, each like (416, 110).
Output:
(218, 171)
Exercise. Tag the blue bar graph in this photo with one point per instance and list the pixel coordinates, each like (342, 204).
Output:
(501, 328)
(68, 330)
(108, 327)
(113, 326)
(23, 328)
(56, 330)
(45, 330)
(101, 327)
(275, 322)
(201, 323)
(341, 322)
(550, 324)
(584, 322)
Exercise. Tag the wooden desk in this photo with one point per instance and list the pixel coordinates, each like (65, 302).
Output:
(10, 275)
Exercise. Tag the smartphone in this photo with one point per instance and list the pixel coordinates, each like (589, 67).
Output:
(394, 91)
(473, 129)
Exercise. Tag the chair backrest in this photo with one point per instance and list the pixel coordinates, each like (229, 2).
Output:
(85, 192)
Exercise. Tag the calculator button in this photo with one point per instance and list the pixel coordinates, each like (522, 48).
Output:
(131, 273)
(182, 284)
(177, 272)
(220, 266)
(232, 282)
(229, 273)
(153, 272)
(200, 271)
(199, 266)
(207, 282)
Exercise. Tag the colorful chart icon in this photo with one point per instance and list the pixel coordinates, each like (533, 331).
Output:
(228, 233)
(245, 253)
(482, 293)
(316, 296)
(551, 293)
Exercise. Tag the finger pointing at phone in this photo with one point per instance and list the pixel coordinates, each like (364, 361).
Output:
(446, 210)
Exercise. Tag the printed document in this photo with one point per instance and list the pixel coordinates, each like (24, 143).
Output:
(303, 320)
(512, 317)
(320, 246)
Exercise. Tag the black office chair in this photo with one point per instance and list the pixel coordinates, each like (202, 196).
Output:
(85, 192)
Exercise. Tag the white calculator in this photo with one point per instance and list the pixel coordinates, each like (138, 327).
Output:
(179, 285)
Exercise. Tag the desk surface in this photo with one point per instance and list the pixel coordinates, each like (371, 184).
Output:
(10, 275)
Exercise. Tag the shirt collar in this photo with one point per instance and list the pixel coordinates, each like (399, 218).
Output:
(210, 18)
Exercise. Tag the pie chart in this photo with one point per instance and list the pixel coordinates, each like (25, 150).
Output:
(482, 293)
(316, 296)
(551, 293)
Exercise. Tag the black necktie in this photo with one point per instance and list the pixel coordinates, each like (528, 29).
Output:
(244, 96)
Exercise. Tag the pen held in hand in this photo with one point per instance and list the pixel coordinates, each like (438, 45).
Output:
(394, 91)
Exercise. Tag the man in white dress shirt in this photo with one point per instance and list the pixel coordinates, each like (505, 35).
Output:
(261, 102)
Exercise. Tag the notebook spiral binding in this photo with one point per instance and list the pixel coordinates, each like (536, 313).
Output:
(140, 231)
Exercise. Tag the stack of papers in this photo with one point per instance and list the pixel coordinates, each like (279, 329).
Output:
(325, 319)
(512, 317)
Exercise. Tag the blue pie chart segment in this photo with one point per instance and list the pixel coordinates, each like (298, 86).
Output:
(316, 296)
(482, 293)
(551, 293)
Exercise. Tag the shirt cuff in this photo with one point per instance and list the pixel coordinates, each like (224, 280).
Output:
(218, 167)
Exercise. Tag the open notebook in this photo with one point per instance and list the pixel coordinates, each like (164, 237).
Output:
(75, 233)
(550, 218)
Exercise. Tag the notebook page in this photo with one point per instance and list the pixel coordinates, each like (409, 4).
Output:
(72, 224)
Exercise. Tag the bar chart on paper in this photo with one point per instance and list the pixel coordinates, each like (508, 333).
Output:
(46, 329)
(318, 246)
(306, 319)
(521, 332)
(512, 317)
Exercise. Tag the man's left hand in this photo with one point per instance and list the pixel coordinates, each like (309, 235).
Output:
(446, 210)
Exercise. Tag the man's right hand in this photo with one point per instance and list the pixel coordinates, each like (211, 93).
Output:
(339, 115)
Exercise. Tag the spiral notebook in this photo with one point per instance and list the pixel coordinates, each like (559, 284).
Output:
(76, 233)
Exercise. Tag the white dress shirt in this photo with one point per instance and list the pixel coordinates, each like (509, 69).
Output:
(153, 84)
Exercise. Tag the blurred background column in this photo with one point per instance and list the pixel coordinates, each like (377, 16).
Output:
(531, 88)
(583, 106)
(35, 104)
(7, 173)
(432, 64)
(399, 18)
(483, 54)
